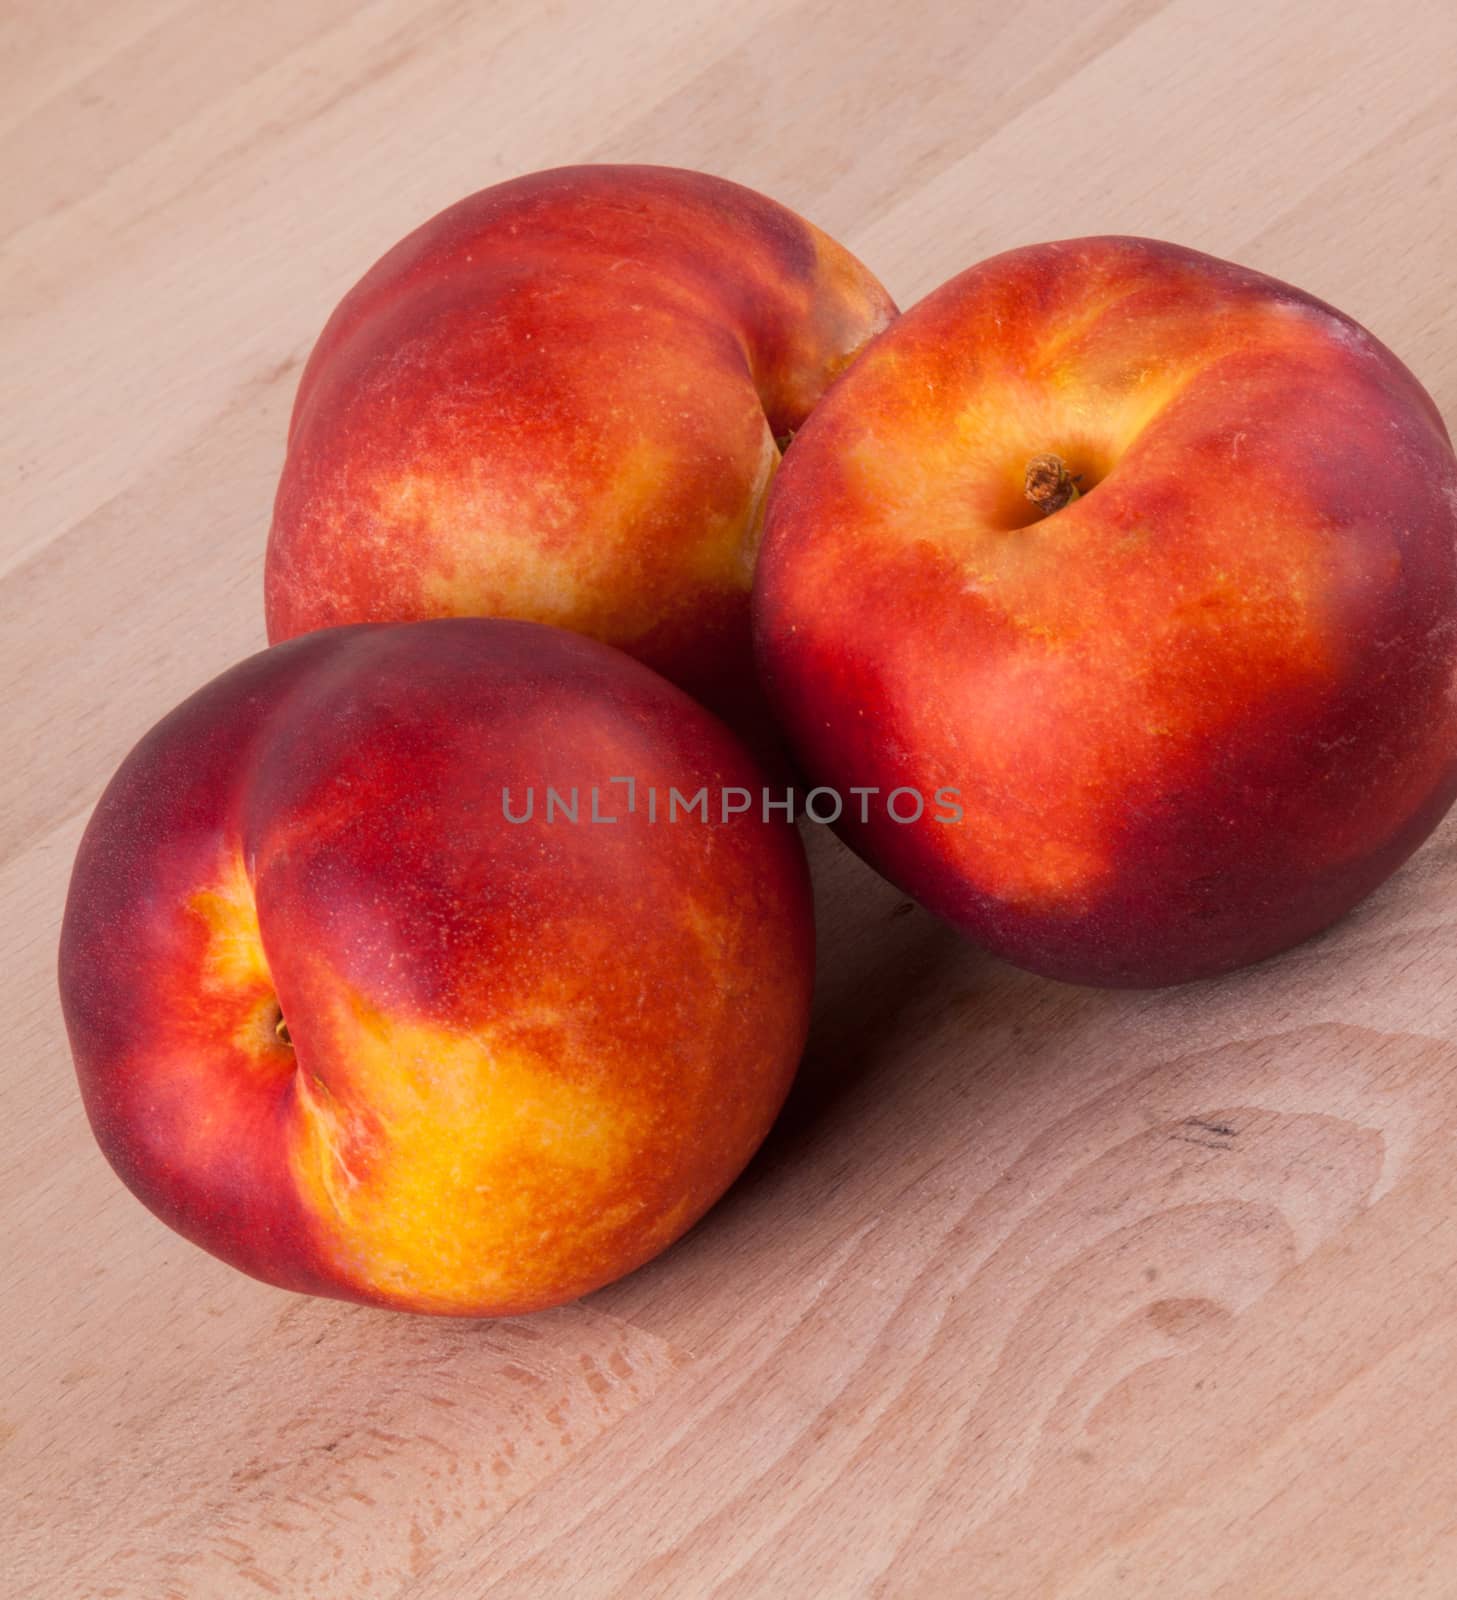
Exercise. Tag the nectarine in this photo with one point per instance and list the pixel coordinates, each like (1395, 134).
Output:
(380, 984)
(559, 400)
(1154, 559)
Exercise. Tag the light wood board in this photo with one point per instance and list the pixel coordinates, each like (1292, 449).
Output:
(995, 1314)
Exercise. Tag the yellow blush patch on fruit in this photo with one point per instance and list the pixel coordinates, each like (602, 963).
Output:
(234, 979)
(531, 1175)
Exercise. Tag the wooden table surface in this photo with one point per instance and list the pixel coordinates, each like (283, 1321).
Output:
(1035, 1291)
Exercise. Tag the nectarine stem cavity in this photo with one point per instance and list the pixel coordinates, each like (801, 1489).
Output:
(1048, 484)
(281, 1029)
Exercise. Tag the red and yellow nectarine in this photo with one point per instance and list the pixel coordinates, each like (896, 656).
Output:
(1154, 559)
(558, 400)
(344, 1023)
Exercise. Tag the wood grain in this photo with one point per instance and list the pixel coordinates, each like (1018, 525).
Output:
(1035, 1291)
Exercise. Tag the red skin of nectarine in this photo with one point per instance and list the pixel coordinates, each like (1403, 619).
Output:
(1194, 715)
(518, 1058)
(558, 400)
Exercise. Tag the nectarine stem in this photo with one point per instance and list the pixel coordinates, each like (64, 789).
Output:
(281, 1029)
(1048, 484)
